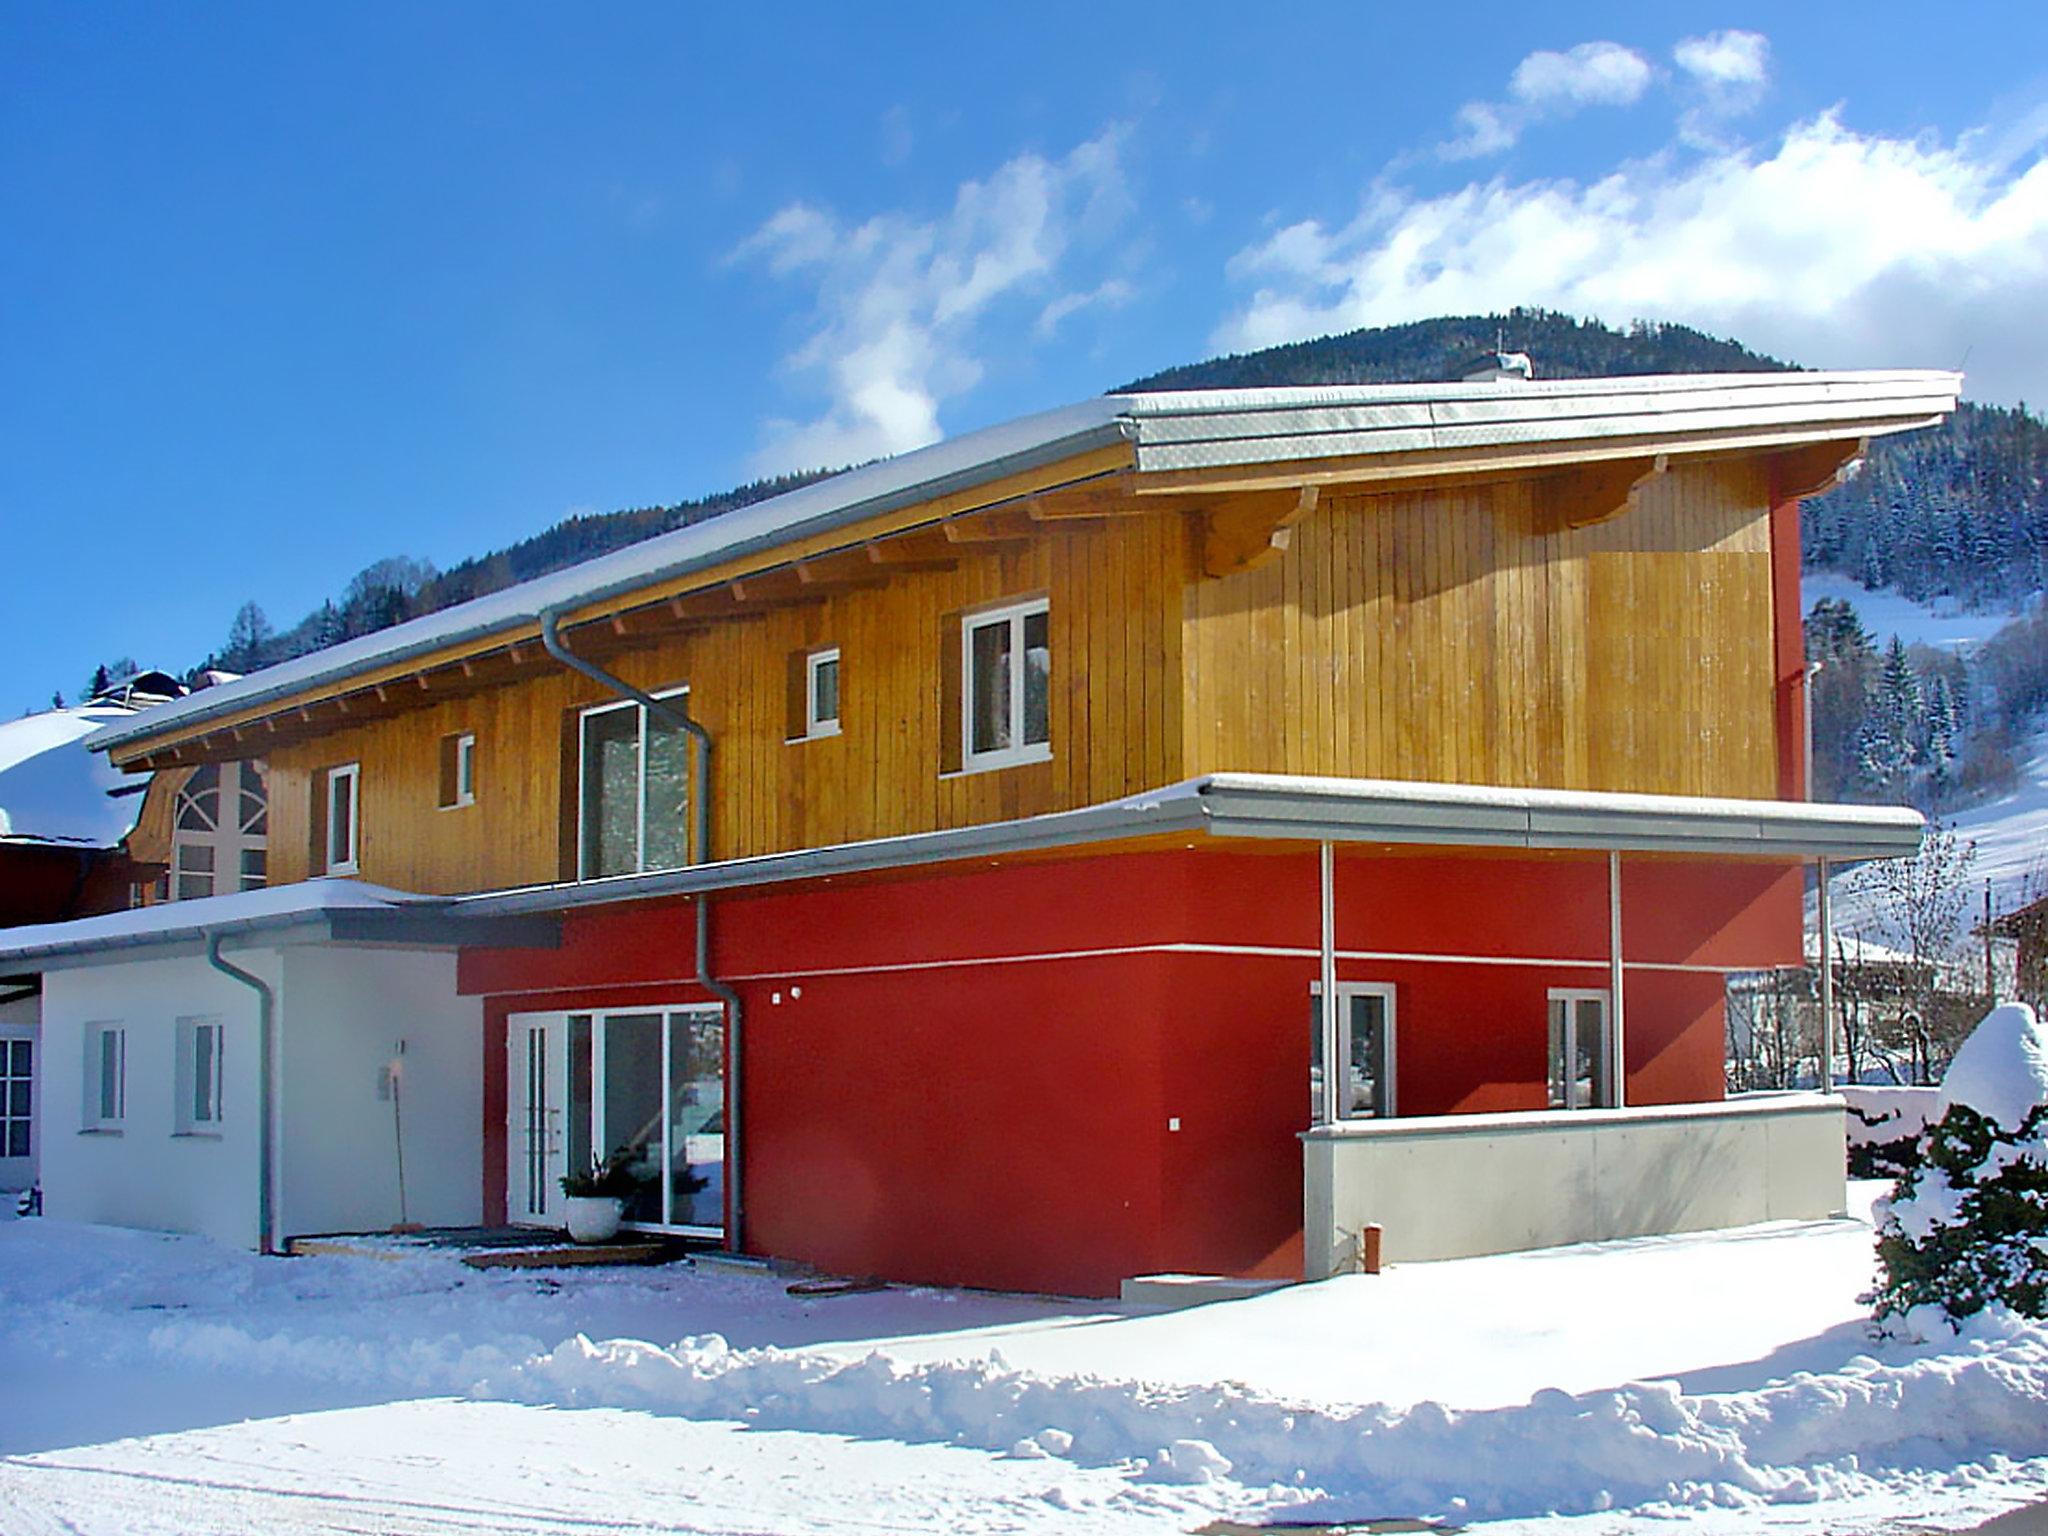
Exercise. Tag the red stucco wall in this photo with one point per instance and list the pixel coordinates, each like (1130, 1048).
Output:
(1010, 1124)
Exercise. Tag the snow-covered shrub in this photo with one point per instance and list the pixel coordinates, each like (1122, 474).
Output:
(1885, 1127)
(1968, 1227)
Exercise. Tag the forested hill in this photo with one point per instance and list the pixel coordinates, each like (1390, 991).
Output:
(1958, 511)
(1428, 350)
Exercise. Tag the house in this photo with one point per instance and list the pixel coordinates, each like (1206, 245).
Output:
(65, 820)
(1168, 833)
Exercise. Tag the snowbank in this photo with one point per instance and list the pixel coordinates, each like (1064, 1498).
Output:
(1648, 1443)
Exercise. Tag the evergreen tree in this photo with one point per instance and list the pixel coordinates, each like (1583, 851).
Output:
(99, 683)
(248, 641)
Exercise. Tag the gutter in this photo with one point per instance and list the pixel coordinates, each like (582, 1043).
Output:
(266, 1136)
(700, 738)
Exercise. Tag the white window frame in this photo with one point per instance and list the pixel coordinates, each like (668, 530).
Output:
(351, 773)
(9, 1118)
(1571, 997)
(185, 1118)
(465, 771)
(96, 1118)
(229, 842)
(1019, 750)
(1346, 991)
(640, 798)
(816, 725)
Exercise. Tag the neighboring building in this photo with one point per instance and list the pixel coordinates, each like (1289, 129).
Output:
(1035, 789)
(65, 817)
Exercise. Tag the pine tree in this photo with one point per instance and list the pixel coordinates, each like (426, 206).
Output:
(100, 682)
(248, 641)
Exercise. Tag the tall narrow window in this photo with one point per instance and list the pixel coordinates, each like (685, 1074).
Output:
(17, 1096)
(1006, 667)
(199, 1076)
(1365, 1049)
(458, 770)
(633, 798)
(340, 803)
(821, 693)
(106, 1072)
(219, 829)
(1581, 1050)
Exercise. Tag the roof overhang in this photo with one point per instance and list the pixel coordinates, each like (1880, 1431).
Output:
(1171, 444)
(1274, 808)
(333, 912)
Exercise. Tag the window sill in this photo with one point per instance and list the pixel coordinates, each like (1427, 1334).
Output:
(822, 733)
(103, 1130)
(1023, 758)
(337, 871)
(195, 1135)
(457, 805)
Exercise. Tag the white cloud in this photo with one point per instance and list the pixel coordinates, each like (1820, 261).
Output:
(1549, 84)
(1111, 293)
(901, 302)
(1729, 58)
(1590, 75)
(1828, 247)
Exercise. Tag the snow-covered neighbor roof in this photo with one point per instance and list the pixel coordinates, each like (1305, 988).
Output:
(2002, 1069)
(54, 790)
(325, 908)
(1167, 431)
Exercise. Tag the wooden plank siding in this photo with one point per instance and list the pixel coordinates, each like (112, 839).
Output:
(1439, 634)
(1442, 635)
(1113, 592)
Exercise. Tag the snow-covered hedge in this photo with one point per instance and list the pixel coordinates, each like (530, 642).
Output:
(1885, 1126)
(1967, 1228)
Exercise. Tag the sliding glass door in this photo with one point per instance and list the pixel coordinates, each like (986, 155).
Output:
(642, 1086)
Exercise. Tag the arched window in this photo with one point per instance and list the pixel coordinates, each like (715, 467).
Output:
(219, 831)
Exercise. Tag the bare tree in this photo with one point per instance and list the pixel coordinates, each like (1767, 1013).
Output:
(1920, 906)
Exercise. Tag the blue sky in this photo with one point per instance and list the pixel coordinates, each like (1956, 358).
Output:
(283, 292)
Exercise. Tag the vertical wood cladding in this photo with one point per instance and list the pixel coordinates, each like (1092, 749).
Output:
(1438, 635)
(1444, 636)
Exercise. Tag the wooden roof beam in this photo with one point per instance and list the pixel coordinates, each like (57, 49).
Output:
(1250, 530)
(1105, 496)
(925, 549)
(845, 570)
(1593, 493)
(998, 526)
(1813, 469)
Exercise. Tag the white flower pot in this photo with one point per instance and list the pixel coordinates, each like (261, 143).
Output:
(591, 1218)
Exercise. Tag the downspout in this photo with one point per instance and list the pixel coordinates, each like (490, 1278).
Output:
(266, 1021)
(700, 842)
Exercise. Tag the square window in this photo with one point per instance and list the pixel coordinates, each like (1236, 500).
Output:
(458, 770)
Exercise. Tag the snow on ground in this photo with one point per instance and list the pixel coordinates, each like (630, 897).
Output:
(159, 1384)
(1941, 624)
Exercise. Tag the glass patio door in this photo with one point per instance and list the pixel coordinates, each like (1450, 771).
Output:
(646, 1087)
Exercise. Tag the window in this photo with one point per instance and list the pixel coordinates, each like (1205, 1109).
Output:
(1006, 667)
(106, 1076)
(339, 807)
(219, 820)
(1365, 1045)
(17, 1096)
(1581, 1050)
(458, 770)
(198, 1086)
(821, 693)
(633, 791)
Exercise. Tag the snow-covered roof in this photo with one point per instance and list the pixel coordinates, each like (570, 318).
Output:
(54, 790)
(1168, 431)
(341, 911)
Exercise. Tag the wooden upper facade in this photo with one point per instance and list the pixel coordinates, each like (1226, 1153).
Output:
(1601, 609)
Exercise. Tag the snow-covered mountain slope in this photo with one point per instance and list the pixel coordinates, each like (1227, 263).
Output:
(1941, 624)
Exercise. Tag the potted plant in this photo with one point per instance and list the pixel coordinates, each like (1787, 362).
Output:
(593, 1201)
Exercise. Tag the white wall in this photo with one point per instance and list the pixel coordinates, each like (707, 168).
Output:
(1452, 1186)
(145, 1175)
(344, 1012)
(19, 1021)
